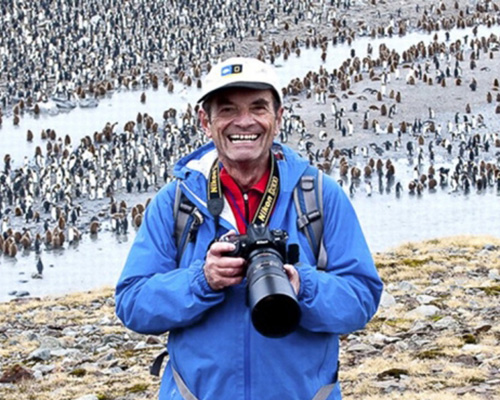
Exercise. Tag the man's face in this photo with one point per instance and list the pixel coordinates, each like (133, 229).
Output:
(242, 124)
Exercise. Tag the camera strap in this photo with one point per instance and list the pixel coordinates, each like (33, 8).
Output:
(215, 200)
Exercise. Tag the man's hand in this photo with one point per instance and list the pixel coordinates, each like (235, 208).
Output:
(293, 276)
(221, 271)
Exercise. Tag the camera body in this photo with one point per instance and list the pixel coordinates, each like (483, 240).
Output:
(274, 307)
(257, 237)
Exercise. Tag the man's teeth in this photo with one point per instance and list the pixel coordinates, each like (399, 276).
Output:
(243, 138)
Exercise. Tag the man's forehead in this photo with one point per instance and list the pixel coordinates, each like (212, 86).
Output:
(231, 95)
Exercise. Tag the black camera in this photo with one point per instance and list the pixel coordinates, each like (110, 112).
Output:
(273, 304)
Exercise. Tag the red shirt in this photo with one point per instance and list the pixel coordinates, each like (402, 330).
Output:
(243, 205)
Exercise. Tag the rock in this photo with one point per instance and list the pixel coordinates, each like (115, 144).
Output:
(424, 299)
(88, 397)
(140, 346)
(406, 286)
(50, 343)
(494, 275)
(361, 347)
(387, 300)
(43, 369)
(154, 340)
(422, 311)
(393, 373)
(105, 321)
(40, 354)
(74, 353)
(379, 339)
(446, 323)
(490, 247)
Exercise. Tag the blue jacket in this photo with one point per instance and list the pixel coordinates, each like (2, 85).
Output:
(212, 343)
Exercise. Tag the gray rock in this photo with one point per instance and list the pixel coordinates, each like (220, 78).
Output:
(361, 347)
(494, 275)
(88, 397)
(406, 286)
(424, 299)
(49, 342)
(446, 323)
(70, 332)
(40, 354)
(43, 369)
(423, 311)
(115, 370)
(387, 300)
(489, 247)
(37, 375)
(65, 352)
(105, 321)
(141, 346)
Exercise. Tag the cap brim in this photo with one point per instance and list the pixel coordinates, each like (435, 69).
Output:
(246, 85)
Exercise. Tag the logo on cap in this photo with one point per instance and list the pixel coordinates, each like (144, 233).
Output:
(231, 69)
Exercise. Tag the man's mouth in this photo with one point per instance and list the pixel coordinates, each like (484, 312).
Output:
(243, 138)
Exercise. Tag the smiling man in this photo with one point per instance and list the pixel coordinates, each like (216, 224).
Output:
(246, 319)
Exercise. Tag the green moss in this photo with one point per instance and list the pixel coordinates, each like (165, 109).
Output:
(102, 396)
(491, 290)
(397, 323)
(435, 318)
(375, 324)
(415, 262)
(78, 372)
(430, 354)
(138, 388)
(128, 353)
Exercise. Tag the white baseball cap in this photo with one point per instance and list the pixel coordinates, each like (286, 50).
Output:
(241, 72)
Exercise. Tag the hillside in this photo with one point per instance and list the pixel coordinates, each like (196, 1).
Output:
(435, 335)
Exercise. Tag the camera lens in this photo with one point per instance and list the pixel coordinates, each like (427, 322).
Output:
(274, 307)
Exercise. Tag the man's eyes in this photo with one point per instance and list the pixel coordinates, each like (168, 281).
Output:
(229, 110)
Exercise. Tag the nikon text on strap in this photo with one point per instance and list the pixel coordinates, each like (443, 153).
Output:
(216, 201)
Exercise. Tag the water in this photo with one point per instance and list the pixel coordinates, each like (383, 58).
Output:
(386, 220)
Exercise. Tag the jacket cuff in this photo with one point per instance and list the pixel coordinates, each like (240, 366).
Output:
(307, 281)
(199, 282)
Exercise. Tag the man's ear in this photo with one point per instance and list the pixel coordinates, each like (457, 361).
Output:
(205, 121)
(279, 119)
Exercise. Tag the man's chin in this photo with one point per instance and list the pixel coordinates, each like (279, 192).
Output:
(245, 156)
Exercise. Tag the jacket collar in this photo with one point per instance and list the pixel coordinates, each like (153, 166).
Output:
(194, 168)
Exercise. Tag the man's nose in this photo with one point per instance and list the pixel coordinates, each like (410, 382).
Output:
(244, 118)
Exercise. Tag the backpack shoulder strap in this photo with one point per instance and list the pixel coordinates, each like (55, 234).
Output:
(187, 220)
(308, 198)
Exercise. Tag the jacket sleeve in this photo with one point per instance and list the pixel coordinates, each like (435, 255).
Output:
(346, 296)
(153, 295)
